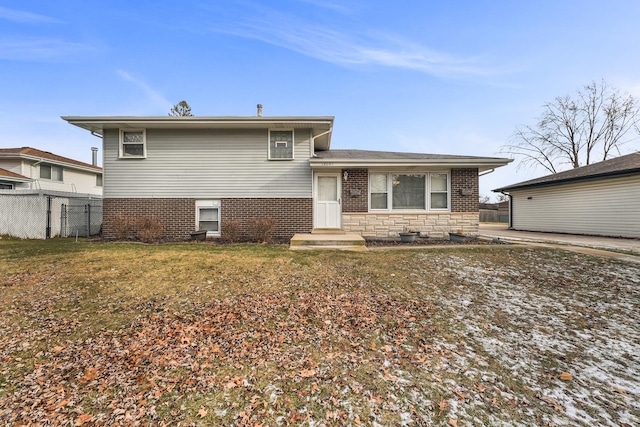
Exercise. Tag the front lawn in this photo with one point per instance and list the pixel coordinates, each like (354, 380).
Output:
(256, 335)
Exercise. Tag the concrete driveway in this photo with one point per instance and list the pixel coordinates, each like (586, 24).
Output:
(590, 244)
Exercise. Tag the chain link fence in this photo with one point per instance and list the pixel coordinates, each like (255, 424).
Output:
(39, 215)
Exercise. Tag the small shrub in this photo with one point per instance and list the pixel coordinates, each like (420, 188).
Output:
(231, 231)
(150, 229)
(123, 226)
(261, 229)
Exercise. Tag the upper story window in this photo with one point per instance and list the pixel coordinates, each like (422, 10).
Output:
(419, 192)
(99, 180)
(280, 144)
(6, 186)
(133, 144)
(52, 172)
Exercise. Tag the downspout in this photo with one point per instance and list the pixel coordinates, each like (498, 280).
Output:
(34, 180)
(510, 209)
(313, 138)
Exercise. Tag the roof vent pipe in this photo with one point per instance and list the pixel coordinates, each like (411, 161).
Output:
(259, 110)
(94, 156)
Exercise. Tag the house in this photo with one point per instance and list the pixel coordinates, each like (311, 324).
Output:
(28, 168)
(598, 199)
(200, 172)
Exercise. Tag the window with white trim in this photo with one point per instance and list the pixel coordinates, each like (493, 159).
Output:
(6, 186)
(133, 144)
(51, 172)
(439, 191)
(99, 180)
(409, 192)
(280, 144)
(378, 189)
(208, 216)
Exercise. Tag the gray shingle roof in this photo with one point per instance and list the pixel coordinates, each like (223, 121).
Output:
(622, 165)
(390, 155)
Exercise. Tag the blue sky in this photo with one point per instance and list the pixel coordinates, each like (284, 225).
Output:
(450, 77)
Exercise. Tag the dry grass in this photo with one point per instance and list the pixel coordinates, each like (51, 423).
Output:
(258, 335)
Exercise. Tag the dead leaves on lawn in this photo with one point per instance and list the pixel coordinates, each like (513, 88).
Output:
(312, 342)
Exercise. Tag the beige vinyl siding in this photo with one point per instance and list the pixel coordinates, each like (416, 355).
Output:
(73, 180)
(14, 166)
(207, 164)
(606, 207)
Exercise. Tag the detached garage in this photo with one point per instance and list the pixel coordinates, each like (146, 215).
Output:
(601, 199)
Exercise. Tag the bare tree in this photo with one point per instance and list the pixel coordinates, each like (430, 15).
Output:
(502, 198)
(577, 131)
(181, 109)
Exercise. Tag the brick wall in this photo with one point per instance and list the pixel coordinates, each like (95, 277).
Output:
(179, 215)
(355, 196)
(292, 215)
(467, 180)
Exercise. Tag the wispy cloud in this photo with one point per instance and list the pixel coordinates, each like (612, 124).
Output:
(24, 17)
(334, 6)
(156, 98)
(36, 49)
(368, 47)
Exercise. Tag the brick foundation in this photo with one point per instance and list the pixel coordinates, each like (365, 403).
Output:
(434, 225)
(179, 215)
(292, 215)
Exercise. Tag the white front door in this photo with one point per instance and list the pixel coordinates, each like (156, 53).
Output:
(327, 201)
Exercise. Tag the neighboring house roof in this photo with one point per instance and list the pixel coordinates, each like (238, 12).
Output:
(6, 175)
(29, 153)
(320, 125)
(355, 158)
(623, 165)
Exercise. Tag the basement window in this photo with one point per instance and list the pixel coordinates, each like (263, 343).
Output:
(208, 216)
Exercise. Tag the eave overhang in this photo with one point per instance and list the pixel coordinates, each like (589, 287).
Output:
(318, 124)
(459, 163)
(8, 176)
(525, 186)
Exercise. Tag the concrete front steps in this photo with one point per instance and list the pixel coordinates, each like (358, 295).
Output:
(328, 239)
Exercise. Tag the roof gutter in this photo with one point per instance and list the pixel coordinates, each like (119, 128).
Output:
(313, 139)
(318, 162)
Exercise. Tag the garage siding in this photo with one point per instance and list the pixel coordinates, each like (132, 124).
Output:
(605, 207)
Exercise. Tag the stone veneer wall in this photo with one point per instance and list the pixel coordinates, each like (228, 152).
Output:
(293, 215)
(464, 215)
(434, 225)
